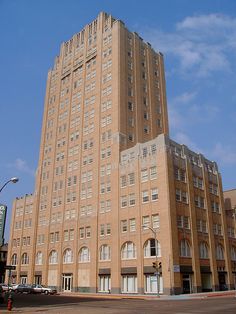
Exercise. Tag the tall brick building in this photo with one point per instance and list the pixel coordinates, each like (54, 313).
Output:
(114, 194)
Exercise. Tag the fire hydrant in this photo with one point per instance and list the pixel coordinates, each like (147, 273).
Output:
(9, 301)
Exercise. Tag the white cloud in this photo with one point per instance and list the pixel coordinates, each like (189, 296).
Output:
(208, 22)
(201, 43)
(183, 138)
(185, 110)
(184, 98)
(22, 166)
(224, 153)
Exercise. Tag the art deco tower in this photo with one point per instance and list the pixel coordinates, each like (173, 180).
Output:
(107, 170)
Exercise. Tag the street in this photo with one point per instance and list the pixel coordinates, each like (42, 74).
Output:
(116, 305)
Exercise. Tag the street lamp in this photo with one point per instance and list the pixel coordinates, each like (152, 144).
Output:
(3, 214)
(13, 180)
(3, 211)
(155, 264)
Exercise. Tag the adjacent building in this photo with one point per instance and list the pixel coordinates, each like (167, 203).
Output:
(114, 194)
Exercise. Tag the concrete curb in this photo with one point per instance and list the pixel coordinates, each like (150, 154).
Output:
(202, 295)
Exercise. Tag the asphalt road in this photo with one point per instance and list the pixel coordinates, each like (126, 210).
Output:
(62, 304)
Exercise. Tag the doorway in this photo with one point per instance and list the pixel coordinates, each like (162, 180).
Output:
(67, 282)
(222, 281)
(38, 279)
(187, 283)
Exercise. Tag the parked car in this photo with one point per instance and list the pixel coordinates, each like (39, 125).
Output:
(5, 287)
(24, 288)
(43, 289)
(14, 286)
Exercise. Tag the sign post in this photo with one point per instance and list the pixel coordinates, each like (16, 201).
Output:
(3, 215)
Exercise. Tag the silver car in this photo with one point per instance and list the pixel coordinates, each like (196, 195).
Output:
(43, 289)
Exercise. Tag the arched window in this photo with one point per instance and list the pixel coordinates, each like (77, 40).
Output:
(128, 250)
(84, 254)
(67, 256)
(219, 252)
(152, 248)
(203, 250)
(233, 253)
(185, 248)
(14, 259)
(39, 258)
(105, 253)
(25, 259)
(53, 257)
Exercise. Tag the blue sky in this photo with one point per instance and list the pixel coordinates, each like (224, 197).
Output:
(197, 38)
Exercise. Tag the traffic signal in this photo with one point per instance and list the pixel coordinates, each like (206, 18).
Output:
(159, 265)
(154, 265)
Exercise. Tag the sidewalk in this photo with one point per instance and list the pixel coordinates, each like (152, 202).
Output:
(201, 295)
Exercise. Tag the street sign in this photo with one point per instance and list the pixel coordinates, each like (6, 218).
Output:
(176, 268)
(10, 267)
(3, 211)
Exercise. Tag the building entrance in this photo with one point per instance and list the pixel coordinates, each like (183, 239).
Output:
(67, 282)
(187, 283)
(222, 281)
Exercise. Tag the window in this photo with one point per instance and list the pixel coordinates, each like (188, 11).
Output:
(124, 226)
(123, 181)
(153, 172)
(124, 201)
(81, 233)
(14, 260)
(128, 251)
(203, 250)
(233, 253)
(198, 182)
(88, 232)
(102, 230)
(178, 195)
(108, 229)
(155, 221)
(215, 207)
(67, 256)
(152, 248)
(185, 248)
(151, 284)
(130, 106)
(219, 252)
(131, 137)
(146, 129)
(144, 175)
(186, 222)
(131, 199)
(131, 178)
(145, 196)
(184, 197)
(153, 149)
(39, 258)
(84, 255)
(217, 229)
(53, 257)
(105, 253)
(154, 194)
(25, 259)
(180, 174)
(129, 284)
(66, 235)
(145, 222)
(201, 226)
(181, 196)
(132, 225)
(104, 283)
